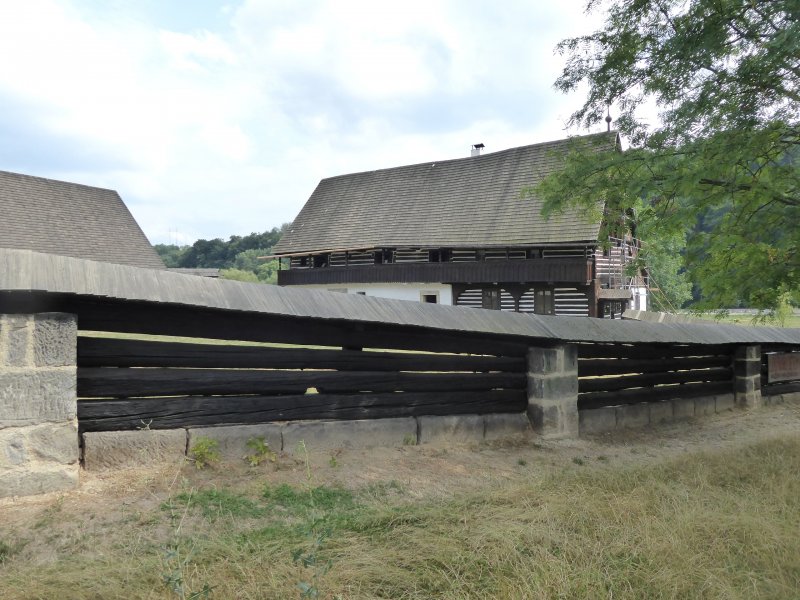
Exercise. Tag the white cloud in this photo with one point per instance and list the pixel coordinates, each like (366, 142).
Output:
(227, 131)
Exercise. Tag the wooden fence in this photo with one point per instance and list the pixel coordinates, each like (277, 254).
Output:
(610, 375)
(128, 384)
(438, 360)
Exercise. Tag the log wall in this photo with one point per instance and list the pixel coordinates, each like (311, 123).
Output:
(618, 374)
(129, 384)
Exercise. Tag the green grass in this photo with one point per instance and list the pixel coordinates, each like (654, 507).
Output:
(707, 525)
(748, 320)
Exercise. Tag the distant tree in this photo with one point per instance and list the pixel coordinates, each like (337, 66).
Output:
(726, 78)
(661, 256)
(238, 255)
(171, 254)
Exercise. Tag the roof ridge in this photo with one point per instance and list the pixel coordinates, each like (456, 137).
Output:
(465, 158)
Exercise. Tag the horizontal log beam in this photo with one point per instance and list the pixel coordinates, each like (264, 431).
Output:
(667, 392)
(590, 367)
(126, 383)
(167, 413)
(112, 352)
(780, 388)
(640, 351)
(609, 384)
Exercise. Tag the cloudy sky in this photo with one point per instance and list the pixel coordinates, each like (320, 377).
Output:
(214, 118)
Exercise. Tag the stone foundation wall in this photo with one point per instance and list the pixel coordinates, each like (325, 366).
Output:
(125, 449)
(38, 405)
(610, 418)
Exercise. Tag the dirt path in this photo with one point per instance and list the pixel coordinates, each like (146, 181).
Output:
(422, 471)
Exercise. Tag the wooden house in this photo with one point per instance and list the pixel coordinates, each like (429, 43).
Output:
(462, 232)
(69, 219)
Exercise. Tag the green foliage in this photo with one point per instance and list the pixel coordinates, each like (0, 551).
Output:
(214, 503)
(662, 256)
(726, 79)
(301, 502)
(171, 254)
(259, 451)
(9, 549)
(235, 257)
(238, 275)
(204, 452)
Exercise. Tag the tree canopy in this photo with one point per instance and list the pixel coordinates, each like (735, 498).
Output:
(722, 163)
(236, 258)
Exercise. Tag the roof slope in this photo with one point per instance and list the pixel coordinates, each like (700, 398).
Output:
(57, 217)
(467, 202)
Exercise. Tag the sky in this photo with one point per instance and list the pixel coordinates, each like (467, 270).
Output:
(215, 118)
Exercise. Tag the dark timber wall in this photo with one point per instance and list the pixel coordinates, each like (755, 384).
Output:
(126, 384)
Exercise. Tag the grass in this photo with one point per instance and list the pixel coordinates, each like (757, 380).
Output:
(707, 525)
(747, 320)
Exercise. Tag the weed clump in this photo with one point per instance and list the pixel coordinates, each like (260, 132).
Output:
(204, 452)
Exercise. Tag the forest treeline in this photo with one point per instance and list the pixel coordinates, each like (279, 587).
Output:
(237, 258)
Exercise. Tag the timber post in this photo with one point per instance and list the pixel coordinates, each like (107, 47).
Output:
(38, 404)
(747, 376)
(553, 391)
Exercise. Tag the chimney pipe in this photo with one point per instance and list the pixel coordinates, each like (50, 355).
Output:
(476, 149)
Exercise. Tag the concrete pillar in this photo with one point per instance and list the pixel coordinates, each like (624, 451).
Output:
(747, 376)
(553, 391)
(38, 404)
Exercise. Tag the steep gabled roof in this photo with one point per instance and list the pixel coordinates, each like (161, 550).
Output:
(57, 217)
(467, 202)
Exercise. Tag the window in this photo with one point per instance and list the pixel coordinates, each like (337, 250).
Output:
(491, 299)
(429, 297)
(543, 303)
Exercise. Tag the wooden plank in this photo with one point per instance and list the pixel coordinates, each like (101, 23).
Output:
(783, 366)
(644, 351)
(166, 413)
(125, 383)
(609, 384)
(108, 352)
(591, 367)
(780, 388)
(667, 392)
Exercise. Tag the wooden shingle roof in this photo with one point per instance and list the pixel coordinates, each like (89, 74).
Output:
(469, 202)
(69, 219)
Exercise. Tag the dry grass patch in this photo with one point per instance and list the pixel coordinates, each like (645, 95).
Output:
(707, 525)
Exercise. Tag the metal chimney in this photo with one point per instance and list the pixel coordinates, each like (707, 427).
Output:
(476, 149)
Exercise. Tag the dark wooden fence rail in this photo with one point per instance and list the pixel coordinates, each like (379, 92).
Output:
(125, 384)
(610, 375)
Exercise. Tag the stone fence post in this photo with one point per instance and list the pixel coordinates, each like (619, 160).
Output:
(747, 376)
(553, 391)
(38, 404)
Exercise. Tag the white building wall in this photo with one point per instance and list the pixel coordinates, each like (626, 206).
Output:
(639, 300)
(396, 291)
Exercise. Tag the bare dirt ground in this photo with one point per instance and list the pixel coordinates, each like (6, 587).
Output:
(422, 471)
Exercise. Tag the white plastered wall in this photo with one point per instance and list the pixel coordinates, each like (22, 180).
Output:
(396, 291)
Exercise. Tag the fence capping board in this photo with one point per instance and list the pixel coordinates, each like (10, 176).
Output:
(28, 271)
